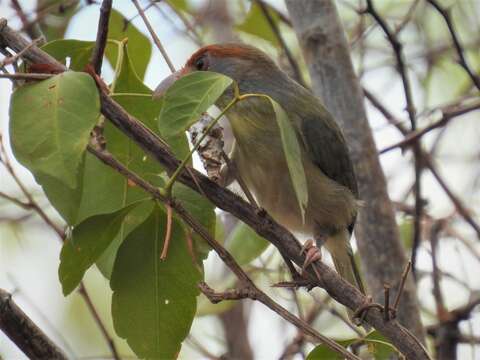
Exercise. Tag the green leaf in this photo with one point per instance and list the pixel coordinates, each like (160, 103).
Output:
(322, 352)
(180, 5)
(202, 210)
(189, 97)
(51, 123)
(293, 156)
(380, 347)
(88, 241)
(406, 232)
(245, 244)
(135, 217)
(256, 24)
(54, 22)
(154, 301)
(78, 51)
(139, 45)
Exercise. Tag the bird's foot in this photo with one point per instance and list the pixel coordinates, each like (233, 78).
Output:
(312, 253)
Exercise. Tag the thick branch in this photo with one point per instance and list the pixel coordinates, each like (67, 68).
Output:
(24, 333)
(264, 225)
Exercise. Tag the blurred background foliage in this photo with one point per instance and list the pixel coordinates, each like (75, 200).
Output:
(29, 249)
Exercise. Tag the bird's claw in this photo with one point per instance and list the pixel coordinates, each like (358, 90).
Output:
(361, 312)
(312, 253)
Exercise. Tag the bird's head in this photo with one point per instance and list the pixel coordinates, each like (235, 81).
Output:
(249, 67)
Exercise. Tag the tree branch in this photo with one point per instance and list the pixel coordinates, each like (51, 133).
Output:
(24, 333)
(96, 58)
(263, 224)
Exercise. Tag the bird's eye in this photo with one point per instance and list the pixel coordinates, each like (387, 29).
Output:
(201, 64)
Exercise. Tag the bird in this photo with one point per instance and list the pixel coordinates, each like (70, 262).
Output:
(258, 155)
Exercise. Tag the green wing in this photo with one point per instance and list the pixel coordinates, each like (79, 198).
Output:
(326, 146)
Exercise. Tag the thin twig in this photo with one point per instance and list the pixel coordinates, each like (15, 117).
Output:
(22, 76)
(386, 306)
(156, 40)
(96, 58)
(415, 135)
(276, 31)
(401, 286)
(445, 13)
(397, 48)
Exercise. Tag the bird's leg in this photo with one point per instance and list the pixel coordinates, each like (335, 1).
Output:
(312, 253)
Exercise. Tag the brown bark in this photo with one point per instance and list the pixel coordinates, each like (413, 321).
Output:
(24, 333)
(326, 53)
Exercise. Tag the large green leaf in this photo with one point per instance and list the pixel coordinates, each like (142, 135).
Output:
(189, 97)
(256, 24)
(293, 155)
(76, 50)
(154, 301)
(50, 124)
(139, 45)
(245, 244)
(88, 241)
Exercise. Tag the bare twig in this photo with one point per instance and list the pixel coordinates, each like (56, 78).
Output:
(276, 31)
(22, 76)
(386, 306)
(401, 287)
(32, 28)
(24, 333)
(445, 13)
(413, 136)
(96, 58)
(156, 40)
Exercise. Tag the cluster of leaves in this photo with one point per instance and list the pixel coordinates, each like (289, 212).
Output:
(116, 225)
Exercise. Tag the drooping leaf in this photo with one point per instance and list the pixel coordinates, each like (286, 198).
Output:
(245, 244)
(189, 97)
(139, 46)
(88, 241)
(76, 50)
(154, 301)
(51, 123)
(293, 155)
(256, 24)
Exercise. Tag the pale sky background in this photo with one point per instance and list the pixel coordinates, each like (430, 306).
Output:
(29, 253)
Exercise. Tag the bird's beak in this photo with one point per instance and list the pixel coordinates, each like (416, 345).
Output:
(167, 82)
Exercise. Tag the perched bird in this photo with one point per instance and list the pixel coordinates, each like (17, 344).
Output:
(259, 157)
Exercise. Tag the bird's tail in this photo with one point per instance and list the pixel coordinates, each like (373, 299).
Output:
(342, 255)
